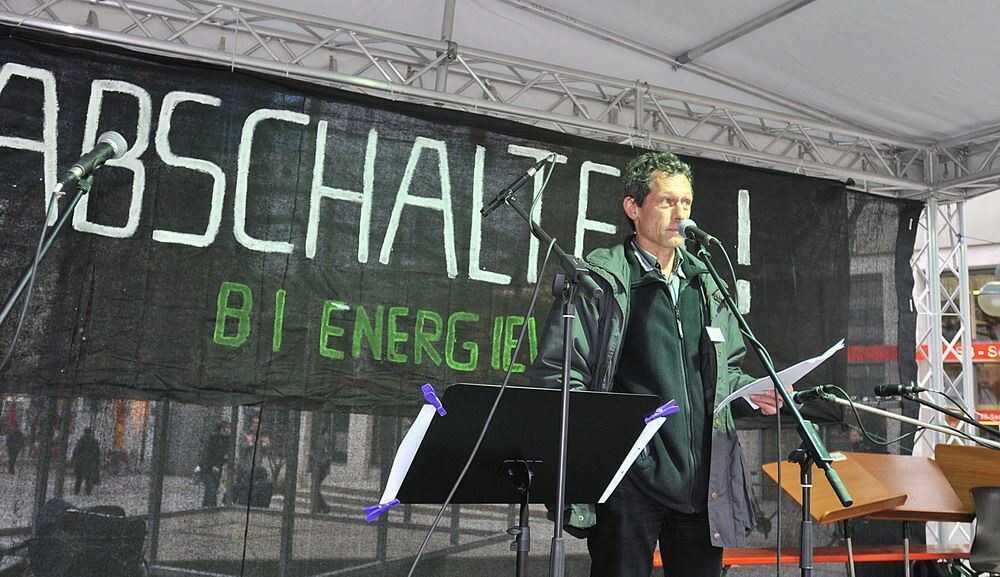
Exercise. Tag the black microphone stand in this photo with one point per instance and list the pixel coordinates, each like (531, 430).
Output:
(575, 278)
(82, 187)
(812, 451)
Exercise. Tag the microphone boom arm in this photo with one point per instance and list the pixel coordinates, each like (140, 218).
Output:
(813, 445)
(952, 414)
(573, 266)
(910, 421)
(82, 187)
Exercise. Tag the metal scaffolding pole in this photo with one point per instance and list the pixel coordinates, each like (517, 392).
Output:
(161, 437)
(966, 389)
(291, 454)
(742, 30)
(447, 24)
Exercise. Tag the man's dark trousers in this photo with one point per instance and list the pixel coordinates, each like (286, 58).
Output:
(211, 478)
(12, 458)
(628, 526)
(84, 479)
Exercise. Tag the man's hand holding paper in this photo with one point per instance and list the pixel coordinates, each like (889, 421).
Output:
(761, 394)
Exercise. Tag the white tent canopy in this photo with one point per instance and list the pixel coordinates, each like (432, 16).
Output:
(918, 70)
(893, 96)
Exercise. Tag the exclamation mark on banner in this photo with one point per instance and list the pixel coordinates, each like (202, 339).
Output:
(743, 248)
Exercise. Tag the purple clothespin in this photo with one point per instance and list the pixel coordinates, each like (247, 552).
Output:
(432, 398)
(375, 511)
(666, 409)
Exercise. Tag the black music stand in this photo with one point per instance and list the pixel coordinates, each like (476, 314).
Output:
(518, 460)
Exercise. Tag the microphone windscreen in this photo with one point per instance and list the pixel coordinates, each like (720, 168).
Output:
(115, 141)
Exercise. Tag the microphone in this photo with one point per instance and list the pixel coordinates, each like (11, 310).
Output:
(897, 390)
(109, 145)
(804, 395)
(689, 229)
(501, 197)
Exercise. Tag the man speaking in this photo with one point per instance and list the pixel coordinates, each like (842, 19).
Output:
(661, 328)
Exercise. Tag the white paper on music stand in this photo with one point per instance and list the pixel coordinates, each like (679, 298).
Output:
(633, 454)
(788, 377)
(407, 450)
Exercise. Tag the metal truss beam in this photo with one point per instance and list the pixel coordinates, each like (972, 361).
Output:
(941, 254)
(669, 59)
(400, 66)
(970, 162)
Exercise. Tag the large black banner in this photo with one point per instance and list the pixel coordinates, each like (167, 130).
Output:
(271, 240)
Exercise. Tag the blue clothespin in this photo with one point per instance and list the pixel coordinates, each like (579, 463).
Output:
(375, 511)
(432, 398)
(664, 410)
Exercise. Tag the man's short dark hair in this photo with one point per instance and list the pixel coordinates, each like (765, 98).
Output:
(638, 173)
